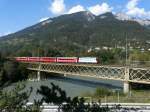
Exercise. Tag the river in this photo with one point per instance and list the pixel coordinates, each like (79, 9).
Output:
(73, 85)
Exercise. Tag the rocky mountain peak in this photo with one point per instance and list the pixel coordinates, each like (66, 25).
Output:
(123, 17)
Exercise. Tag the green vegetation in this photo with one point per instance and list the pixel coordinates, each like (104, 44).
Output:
(11, 71)
(101, 92)
(140, 58)
(14, 100)
(114, 56)
(107, 95)
(74, 35)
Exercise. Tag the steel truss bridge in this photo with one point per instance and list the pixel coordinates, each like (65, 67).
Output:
(125, 74)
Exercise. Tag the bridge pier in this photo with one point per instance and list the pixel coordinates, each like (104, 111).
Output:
(126, 86)
(38, 76)
(65, 75)
(39, 73)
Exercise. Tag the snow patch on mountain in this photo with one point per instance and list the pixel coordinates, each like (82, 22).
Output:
(143, 22)
(90, 16)
(46, 22)
(124, 17)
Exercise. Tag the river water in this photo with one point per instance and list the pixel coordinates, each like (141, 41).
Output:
(73, 85)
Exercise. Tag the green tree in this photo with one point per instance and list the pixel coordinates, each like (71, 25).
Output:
(57, 96)
(23, 53)
(14, 71)
(14, 100)
(1, 60)
(11, 70)
(53, 95)
(3, 77)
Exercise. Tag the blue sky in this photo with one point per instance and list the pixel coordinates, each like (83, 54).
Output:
(18, 14)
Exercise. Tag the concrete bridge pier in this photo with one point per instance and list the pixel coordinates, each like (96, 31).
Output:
(39, 73)
(38, 76)
(126, 87)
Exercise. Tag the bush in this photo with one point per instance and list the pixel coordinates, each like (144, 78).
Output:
(101, 92)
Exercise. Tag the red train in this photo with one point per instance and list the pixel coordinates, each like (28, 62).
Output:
(58, 59)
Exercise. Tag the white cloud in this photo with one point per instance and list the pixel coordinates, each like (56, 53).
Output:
(57, 7)
(134, 10)
(75, 9)
(43, 19)
(100, 9)
(132, 4)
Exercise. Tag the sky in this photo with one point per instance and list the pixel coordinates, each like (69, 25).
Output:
(19, 14)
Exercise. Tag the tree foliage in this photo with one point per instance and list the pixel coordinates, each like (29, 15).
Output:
(14, 71)
(53, 95)
(57, 96)
(14, 100)
(140, 56)
(11, 71)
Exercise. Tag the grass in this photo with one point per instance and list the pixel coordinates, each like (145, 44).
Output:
(105, 96)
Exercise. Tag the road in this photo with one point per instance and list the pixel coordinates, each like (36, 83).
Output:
(125, 107)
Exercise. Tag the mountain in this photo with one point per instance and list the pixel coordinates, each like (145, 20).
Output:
(77, 33)
(123, 17)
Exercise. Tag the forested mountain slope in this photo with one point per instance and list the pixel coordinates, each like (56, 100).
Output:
(75, 33)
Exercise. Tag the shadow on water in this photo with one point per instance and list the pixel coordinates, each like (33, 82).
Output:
(83, 81)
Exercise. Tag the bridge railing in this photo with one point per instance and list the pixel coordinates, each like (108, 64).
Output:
(104, 72)
(140, 75)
